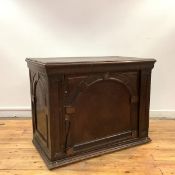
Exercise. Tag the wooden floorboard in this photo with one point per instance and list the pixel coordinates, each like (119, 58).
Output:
(19, 157)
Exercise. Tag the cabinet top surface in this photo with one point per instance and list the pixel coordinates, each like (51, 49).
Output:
(87, 60)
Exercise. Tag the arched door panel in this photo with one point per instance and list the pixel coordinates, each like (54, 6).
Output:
(101, 112)
(99, 109)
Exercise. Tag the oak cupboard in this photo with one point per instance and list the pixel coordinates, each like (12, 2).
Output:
(87, 106)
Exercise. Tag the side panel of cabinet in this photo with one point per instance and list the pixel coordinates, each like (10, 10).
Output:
(100, 109)
(39, 101)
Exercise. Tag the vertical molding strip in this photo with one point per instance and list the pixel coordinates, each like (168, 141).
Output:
(145, 81)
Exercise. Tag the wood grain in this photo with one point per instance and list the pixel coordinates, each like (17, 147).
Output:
(18, 155)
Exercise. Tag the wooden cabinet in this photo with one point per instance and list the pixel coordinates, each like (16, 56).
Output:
(84, 107)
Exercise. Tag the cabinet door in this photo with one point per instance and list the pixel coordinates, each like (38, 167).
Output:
(100, 109)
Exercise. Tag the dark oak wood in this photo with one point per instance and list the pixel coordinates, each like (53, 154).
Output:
(88, 106)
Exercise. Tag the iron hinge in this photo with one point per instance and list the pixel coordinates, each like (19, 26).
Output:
(69, 109)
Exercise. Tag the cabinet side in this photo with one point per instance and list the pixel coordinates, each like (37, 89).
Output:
(40, 109)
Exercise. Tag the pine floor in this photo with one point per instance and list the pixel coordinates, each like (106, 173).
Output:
(19, 157)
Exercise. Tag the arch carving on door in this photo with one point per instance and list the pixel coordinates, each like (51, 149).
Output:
(93, 100)
(86, 82)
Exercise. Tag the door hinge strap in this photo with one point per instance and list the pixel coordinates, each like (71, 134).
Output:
(69, 109)
(67, 130)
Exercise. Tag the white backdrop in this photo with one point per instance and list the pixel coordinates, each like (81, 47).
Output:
(42, 28)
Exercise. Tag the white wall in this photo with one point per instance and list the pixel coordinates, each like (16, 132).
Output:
(42, 28)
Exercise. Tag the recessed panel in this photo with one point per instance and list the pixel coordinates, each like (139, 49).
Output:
(101, 110)
(41, 117)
